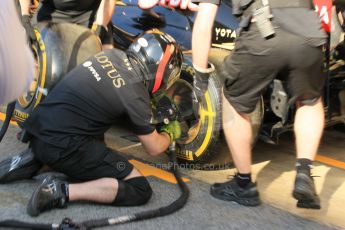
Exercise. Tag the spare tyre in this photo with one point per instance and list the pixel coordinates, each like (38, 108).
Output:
(59, 48)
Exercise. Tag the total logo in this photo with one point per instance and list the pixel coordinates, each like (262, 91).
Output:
(88, 64)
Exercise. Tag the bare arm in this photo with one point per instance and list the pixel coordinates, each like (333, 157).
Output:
(202, 34)
(155, 143)
(105, 12)
(25, 6)
(147, 4)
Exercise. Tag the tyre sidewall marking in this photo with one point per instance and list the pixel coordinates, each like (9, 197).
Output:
(187, 154)
(20, 113)
(43, 65)
(209, 113)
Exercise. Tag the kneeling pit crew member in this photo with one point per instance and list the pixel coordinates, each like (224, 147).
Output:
(68, 127)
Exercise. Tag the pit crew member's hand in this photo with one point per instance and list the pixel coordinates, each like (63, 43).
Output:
(173, 129)
(28, 27)
(147, 4)
(201, 78)
(182, 4)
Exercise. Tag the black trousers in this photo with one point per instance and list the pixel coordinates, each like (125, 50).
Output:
(85, 159)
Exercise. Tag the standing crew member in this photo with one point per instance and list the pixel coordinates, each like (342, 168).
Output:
(277, 38)
(68, 127)
(95, 14)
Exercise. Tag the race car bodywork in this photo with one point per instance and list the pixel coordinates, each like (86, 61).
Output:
(202, 136)
(129, 21)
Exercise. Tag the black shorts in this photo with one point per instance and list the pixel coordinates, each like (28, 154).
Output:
(256, 61)
(86, 159)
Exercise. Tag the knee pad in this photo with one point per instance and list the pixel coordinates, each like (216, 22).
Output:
(133, 192)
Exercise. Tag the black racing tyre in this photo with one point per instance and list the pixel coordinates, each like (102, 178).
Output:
(200, 148)
(59, 48)
(200, 135)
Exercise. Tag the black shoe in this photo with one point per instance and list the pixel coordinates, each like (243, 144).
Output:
(50, 194)
(22, 166)
(305, 192)
(231, 191)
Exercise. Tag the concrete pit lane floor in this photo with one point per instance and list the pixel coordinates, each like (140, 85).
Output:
(273, 169)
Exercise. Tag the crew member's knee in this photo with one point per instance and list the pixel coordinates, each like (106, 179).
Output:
(133, 192)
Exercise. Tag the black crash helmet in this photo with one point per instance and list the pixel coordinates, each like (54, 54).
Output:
(159, 57)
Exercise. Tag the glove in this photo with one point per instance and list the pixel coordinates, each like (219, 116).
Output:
(173, 129)
(201, 77)
(200, 85)
(100, 31)
(28, 28)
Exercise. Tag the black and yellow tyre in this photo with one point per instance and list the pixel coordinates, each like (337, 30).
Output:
(59, 48)
(200, 148)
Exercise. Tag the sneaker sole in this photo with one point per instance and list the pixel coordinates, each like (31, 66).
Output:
(9, 171)
(31, 209)
(306, 200)
(253, 201)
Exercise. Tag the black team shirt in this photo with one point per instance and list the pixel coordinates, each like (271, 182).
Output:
(103, 90)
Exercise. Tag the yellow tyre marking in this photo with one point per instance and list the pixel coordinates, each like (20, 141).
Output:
(186, 155)
(44, 66)
(210, 114)
(22, 102)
